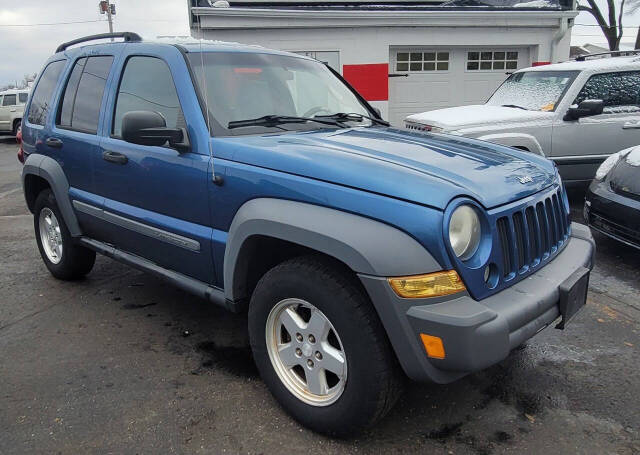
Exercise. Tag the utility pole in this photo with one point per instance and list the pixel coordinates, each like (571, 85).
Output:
(110, 10)
(110, 20)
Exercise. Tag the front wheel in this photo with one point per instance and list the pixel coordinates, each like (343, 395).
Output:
(320, 347)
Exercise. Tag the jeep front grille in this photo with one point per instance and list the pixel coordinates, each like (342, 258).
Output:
(532, 233)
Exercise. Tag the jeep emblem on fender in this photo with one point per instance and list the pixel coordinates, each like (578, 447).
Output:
(525, 179)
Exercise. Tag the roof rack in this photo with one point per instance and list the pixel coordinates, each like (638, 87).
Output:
(582, 58)
(128, 37)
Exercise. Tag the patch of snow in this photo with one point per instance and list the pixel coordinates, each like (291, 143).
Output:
(599, 65)
(535, 4)
(467, 116)
(545, 4)
(633, 158)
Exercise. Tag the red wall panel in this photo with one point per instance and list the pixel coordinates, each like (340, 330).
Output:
(370, 80)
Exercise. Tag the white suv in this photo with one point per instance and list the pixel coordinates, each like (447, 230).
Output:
(12, 103)
(575, 113)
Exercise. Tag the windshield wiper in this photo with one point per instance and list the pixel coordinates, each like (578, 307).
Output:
(353, 116)
(516, 106)
(275, 120)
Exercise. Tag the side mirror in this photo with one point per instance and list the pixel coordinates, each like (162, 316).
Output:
(150, 128)
(586, 108)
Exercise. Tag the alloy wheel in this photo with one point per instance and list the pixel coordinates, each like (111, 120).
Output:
(306, 352)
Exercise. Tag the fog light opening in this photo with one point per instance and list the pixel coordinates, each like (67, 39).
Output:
(491, 275)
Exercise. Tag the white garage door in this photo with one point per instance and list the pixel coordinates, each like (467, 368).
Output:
(423, 79)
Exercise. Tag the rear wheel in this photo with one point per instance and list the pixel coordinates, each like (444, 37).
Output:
(320, 347)
(64, 258)
(16, 127)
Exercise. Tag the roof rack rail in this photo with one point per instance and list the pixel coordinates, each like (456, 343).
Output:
(582, 58)
(128, 36)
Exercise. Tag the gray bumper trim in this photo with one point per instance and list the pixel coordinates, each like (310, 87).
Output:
(477, 334)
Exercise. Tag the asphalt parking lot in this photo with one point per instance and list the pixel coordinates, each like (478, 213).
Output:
(123, 363)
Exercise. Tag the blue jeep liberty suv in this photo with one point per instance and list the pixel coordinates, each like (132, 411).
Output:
(261, 181)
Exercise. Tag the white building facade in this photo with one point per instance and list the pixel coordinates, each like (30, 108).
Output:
(404, 58)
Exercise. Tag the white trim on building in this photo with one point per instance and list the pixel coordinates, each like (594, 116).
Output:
(365, 43)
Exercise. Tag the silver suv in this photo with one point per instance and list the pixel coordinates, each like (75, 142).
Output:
(576, 113)
(12, 104)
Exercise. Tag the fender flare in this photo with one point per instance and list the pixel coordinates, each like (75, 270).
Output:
(366, 246)
(49, 169)
(515, 140)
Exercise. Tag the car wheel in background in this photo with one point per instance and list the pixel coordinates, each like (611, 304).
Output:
(16, 127)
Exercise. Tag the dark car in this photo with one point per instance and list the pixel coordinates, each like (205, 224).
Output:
(612, 204)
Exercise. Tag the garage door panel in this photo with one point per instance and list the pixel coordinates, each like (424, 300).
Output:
(438, 92)
(478, 91)
(420, 91)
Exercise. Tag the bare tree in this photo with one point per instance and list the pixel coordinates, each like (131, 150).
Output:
(634, 6)
(612, 28)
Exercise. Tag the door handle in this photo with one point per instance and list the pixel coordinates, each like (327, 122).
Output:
(114, 157)
(631, 125)
(12, 110)
(399, 75)
(54, 142)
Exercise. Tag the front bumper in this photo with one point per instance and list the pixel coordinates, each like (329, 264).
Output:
(612, 214)
(477, 334)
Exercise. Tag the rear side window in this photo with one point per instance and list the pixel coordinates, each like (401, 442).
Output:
(147, 85)
(80, 108)
(41, 102)
(22, 97)
(619, 91)
(9, 100)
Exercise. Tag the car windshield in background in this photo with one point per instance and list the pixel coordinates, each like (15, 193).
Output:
(533, 90)
(241, 87)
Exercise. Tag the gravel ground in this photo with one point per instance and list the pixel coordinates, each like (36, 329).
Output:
(121, 362)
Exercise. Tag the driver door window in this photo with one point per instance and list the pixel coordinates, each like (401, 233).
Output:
(147, 85)
(619, 91)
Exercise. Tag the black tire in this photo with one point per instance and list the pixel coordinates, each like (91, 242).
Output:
(374, 381)
(16, 125)
(75, 261)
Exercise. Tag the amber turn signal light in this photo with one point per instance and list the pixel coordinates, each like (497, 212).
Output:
(430, 285)
(433, 345)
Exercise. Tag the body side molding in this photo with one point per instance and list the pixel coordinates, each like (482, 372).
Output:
(141, 228)
(365, 245)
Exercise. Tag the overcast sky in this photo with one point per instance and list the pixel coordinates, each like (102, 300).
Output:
(24, 46)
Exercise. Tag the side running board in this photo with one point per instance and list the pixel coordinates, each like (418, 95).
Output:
(191, 285)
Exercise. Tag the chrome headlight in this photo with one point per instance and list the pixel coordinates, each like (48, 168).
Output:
(464, 232)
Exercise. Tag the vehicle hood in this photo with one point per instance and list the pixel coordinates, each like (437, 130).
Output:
(429, 169)
(454, 118)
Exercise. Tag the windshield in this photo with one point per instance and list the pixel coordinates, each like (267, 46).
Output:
(533, 90)
(243, 86)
